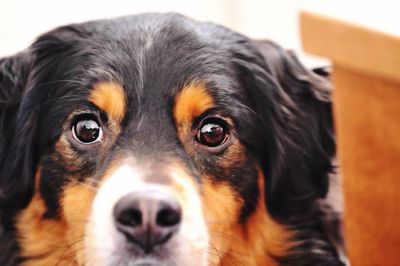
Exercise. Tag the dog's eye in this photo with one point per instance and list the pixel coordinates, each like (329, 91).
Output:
(87, 130)
(212, 133)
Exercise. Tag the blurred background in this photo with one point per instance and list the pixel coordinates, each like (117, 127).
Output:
(21, 21)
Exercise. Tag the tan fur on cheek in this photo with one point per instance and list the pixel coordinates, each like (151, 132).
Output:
(236, 244)
(264, 233)
(221, 209)
(76, 203)
(55, 241)
(42, 242)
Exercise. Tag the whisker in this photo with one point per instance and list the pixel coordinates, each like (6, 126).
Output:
(85, 183)
(88, 186)
(68, 249)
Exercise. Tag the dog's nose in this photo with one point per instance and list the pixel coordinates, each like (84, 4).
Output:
(147, 219)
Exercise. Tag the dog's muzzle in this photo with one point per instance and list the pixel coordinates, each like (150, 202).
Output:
(135, 221)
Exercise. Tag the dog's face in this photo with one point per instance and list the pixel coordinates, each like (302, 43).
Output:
(157, 140)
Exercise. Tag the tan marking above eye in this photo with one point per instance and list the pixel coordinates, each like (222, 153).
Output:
(109, 97)
(191, 102)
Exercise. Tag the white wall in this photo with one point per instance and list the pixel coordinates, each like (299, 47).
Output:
(21, 21)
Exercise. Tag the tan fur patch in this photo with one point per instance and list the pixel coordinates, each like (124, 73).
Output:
(221, 209)
(55, 241)
(110, 98)
(235, 244)
(191, 102)
(264, 232)
(76, 203)
(42, 241)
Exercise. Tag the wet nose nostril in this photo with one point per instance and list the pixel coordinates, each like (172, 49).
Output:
(130, 217)
(168, 217)
(147, 218)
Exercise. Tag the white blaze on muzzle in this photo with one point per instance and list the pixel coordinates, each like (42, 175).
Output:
(187, 244)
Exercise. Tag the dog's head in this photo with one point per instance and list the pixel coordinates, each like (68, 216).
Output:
(157, 139)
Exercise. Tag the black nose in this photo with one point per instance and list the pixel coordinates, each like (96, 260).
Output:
(147, 218)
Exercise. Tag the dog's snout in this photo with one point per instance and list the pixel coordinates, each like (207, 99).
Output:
(147, 219)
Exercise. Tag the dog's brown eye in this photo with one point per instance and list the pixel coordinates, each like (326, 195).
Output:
(213, 133)
(87, 131)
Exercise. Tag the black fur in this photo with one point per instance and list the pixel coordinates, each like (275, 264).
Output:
(281, 111)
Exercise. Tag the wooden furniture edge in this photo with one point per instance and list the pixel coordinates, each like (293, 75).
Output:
(351, 46)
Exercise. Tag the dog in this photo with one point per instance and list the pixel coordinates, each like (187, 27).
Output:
(155, 139)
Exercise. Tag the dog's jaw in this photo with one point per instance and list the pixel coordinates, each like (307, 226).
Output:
(105, 246)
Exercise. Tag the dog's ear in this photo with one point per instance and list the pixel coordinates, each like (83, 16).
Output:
(19, 108)
(294, 106)
(15, 144)
(26, 84)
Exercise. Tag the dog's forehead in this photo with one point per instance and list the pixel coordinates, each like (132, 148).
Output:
(156, 55)
(153, 58)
